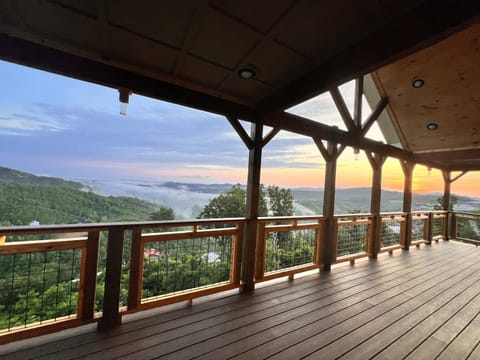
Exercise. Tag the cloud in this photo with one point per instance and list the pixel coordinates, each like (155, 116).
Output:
(27, 123)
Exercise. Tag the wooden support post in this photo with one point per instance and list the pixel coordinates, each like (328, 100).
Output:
(235, 274)
(376, 161)
(253, 197)
(88, 277)
(135, 282)
(329, 243)
(447, 181)
(111, 317)
(407, 168)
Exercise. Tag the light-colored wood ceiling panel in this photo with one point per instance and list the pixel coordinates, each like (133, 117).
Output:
(165, 21)
(261, 15)
(450, 96)
(223, 41)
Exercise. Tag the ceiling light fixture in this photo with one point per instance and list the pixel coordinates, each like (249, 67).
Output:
(246, 73)
(432, 126)
(124, 97)
(418, 83)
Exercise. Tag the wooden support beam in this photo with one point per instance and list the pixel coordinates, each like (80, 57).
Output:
(376, 162)
(407, 168)
(241, 132)
(467, 154)
(307, 127)
(253, 197)
(328, 246)
(111, 317)
(382, 104)
(342, 109)
(400, 37)
(270, 136)
(357, 106)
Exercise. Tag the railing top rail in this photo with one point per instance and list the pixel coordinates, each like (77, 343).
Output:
(394, 213)
(73, 228)
(352, 215)
(461, 213)
(290, 218)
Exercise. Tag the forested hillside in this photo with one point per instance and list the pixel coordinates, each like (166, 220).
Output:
(25, 198)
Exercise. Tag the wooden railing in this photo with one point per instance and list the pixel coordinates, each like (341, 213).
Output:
(202, 256)
(466, 227)
(287, 245)
(146, 264)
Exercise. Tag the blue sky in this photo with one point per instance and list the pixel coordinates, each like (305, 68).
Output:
(59, 126)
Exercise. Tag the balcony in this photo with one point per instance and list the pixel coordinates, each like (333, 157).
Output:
(392, 285)
(376, 306)
(404, 304)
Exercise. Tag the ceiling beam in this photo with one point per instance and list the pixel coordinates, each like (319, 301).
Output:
(422, 26)
(41, 57)
(451, 155)
(310, 128)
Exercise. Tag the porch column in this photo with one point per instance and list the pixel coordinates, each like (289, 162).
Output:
(376, 162)
(253, 196)
(328, 249)
(447, 182)
(407, 168)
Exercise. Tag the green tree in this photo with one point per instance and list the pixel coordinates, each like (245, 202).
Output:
(439, 204)
(231, 203)
(163, 213)
(280, 201)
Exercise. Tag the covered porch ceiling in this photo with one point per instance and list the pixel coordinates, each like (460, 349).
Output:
(192, 53)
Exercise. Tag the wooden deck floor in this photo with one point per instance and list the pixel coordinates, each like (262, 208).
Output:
(421, 304)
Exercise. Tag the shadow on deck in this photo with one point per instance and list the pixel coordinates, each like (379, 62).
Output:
(421, 304)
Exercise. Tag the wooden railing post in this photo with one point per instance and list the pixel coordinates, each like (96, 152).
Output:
(135, 283)
(407, 168)
(88, 277)
(260, 251)
(428, 228)
(376, 162)
(453, 226)
(237, 254)
(111, 317)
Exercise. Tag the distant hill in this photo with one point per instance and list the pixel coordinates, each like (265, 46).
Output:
(310, 201)
(18, 177)
(26, 198)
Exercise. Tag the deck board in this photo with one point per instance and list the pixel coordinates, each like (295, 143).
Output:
(424, 303)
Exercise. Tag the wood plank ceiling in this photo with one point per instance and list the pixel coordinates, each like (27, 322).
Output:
(190, 51)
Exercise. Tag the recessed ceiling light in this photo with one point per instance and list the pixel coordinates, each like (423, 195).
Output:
(418, 83)
(246, 73)
(432, 126)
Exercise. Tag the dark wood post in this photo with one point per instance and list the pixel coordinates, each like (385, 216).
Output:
(447, 182)
(253, 196)
(328, 245)
(429, 228)
(111, 317)
(407, 168)
(376, 161)
(88, 279)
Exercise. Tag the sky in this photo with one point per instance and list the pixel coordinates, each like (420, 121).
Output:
(57, 126)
